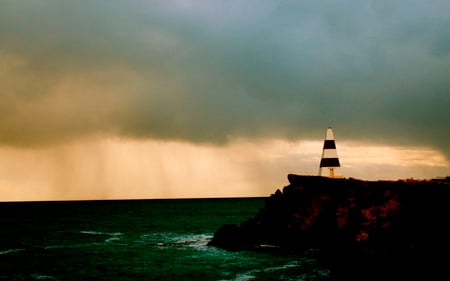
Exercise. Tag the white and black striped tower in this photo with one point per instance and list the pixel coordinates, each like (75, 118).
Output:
(329, 164)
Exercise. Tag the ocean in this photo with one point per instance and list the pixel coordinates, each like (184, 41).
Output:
(137, 240)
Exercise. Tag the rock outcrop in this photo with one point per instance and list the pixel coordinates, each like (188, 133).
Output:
(364, 230)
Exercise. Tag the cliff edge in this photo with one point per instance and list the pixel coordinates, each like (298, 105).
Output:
(364, 230)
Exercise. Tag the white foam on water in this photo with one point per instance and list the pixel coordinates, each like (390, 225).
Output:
(111, 237)
(244, 276)
(281, 267)
(252, 274)
(92, 232)
(169, 239)
(42, 277)
(9, 251)
(114, 236)
(157, 239)
(195, 241)
(249, 275)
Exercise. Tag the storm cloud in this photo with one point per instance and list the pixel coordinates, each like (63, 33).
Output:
(211, 71)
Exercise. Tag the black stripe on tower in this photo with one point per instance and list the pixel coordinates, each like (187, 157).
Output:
(329, 144)
(329, 162)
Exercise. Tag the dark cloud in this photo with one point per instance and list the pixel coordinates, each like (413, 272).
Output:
(210, 71)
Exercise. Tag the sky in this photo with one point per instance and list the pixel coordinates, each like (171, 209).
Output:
(187, 99)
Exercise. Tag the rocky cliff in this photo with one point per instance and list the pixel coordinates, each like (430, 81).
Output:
(364, 230)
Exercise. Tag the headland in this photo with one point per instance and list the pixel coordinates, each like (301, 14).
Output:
(363, 230)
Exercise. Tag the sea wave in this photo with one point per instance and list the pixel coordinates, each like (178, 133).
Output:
(113, 236)
(9, 251)
(254, 274)
(243, 276)
(282, 267)
(93, 232)
(37, 276)
(196, 241)
(96, 238)
(169, 239)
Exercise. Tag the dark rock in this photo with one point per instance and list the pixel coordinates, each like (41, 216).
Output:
(365, 230)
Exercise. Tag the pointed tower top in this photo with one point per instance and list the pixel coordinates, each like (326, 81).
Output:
(330, 135)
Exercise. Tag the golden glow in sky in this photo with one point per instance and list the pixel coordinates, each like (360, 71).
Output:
(116, 168)
(168, 99)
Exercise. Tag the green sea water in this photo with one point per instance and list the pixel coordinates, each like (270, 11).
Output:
(136, 240)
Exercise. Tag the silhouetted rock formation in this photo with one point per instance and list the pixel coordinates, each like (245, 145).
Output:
(365, 230)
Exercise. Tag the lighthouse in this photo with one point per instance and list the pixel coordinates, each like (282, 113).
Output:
(329, 163)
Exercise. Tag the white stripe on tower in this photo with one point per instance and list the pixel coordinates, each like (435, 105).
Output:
(329, 161)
